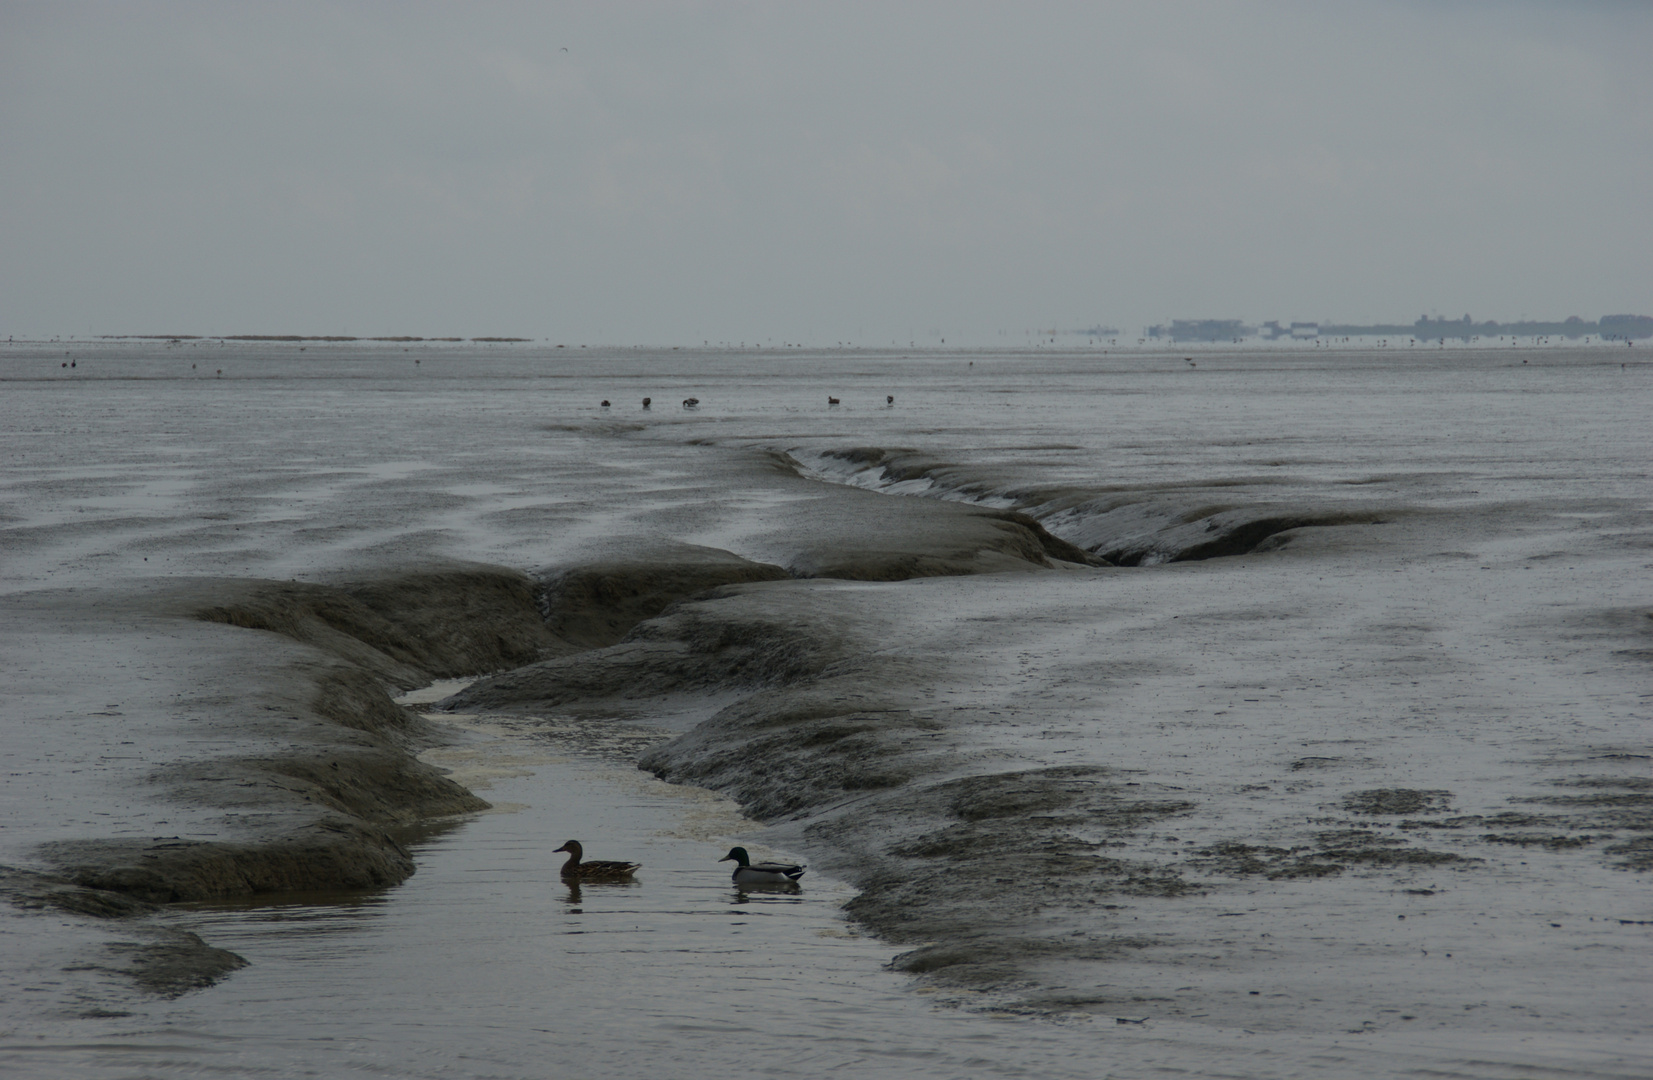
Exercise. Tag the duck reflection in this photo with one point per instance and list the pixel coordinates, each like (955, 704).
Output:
(744, 893)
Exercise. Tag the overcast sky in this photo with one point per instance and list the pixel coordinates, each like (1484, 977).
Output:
(654, 173)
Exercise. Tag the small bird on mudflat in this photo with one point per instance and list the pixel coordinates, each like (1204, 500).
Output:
(597, 870)
(748, 872)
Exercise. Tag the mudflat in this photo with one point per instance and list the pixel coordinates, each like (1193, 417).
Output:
(1301, 695)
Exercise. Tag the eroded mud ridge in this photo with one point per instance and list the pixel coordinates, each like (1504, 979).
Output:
(323, 814)
(1121, 524)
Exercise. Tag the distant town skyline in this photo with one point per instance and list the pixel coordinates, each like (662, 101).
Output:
(1622, 327)
(1609, 327)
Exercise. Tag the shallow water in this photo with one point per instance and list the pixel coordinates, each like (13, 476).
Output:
(1478, 666)
(485, 964)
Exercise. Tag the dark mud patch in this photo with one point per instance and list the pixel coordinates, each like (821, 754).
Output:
(166, 962)
(406, 629)
(1233, 858)
(1001, 855)
(1052, 546)
(1230, 532)
(1549, 843)
(33, 891)
(1634, 854)
(1001, 963)
(726, 640)
(978, 798)
(330, 855)
(832, 741)
(163, 961)
(1393, 857)
(364, 782)
(948, 540)
(597, 605)
(963, 866)
(1394, 801)
(315, 818)
(1334, 852)
(1344, 838)
(1610, 804)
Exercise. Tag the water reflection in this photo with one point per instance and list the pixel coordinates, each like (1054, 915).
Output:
(576, 896)
(744, 893)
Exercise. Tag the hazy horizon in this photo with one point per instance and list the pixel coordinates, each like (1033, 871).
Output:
(688, 172)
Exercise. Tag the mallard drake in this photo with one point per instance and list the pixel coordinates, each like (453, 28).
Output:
(763, 873)
(599, 870)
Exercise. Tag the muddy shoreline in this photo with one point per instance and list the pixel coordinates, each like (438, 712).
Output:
(1333, 749)
(322, 816)
(978, 863)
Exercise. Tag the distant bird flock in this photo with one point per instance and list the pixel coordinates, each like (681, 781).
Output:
(694, 402)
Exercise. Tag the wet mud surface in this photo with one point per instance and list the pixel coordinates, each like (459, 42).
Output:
(1328, 750)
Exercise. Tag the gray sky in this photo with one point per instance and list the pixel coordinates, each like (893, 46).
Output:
(649, 173)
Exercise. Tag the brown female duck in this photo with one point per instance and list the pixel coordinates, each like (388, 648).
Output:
(598, 870)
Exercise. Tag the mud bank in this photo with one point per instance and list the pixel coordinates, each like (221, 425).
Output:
(325, 807)
(879, 726)
(320, 808)
(1112, 524)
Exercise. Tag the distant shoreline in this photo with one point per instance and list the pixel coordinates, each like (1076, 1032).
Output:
(287, 337)
(1608, 328)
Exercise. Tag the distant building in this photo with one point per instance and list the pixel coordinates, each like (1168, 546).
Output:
(1273, 331)
(1202, 330)
(1624, 327)
(1610, 327)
